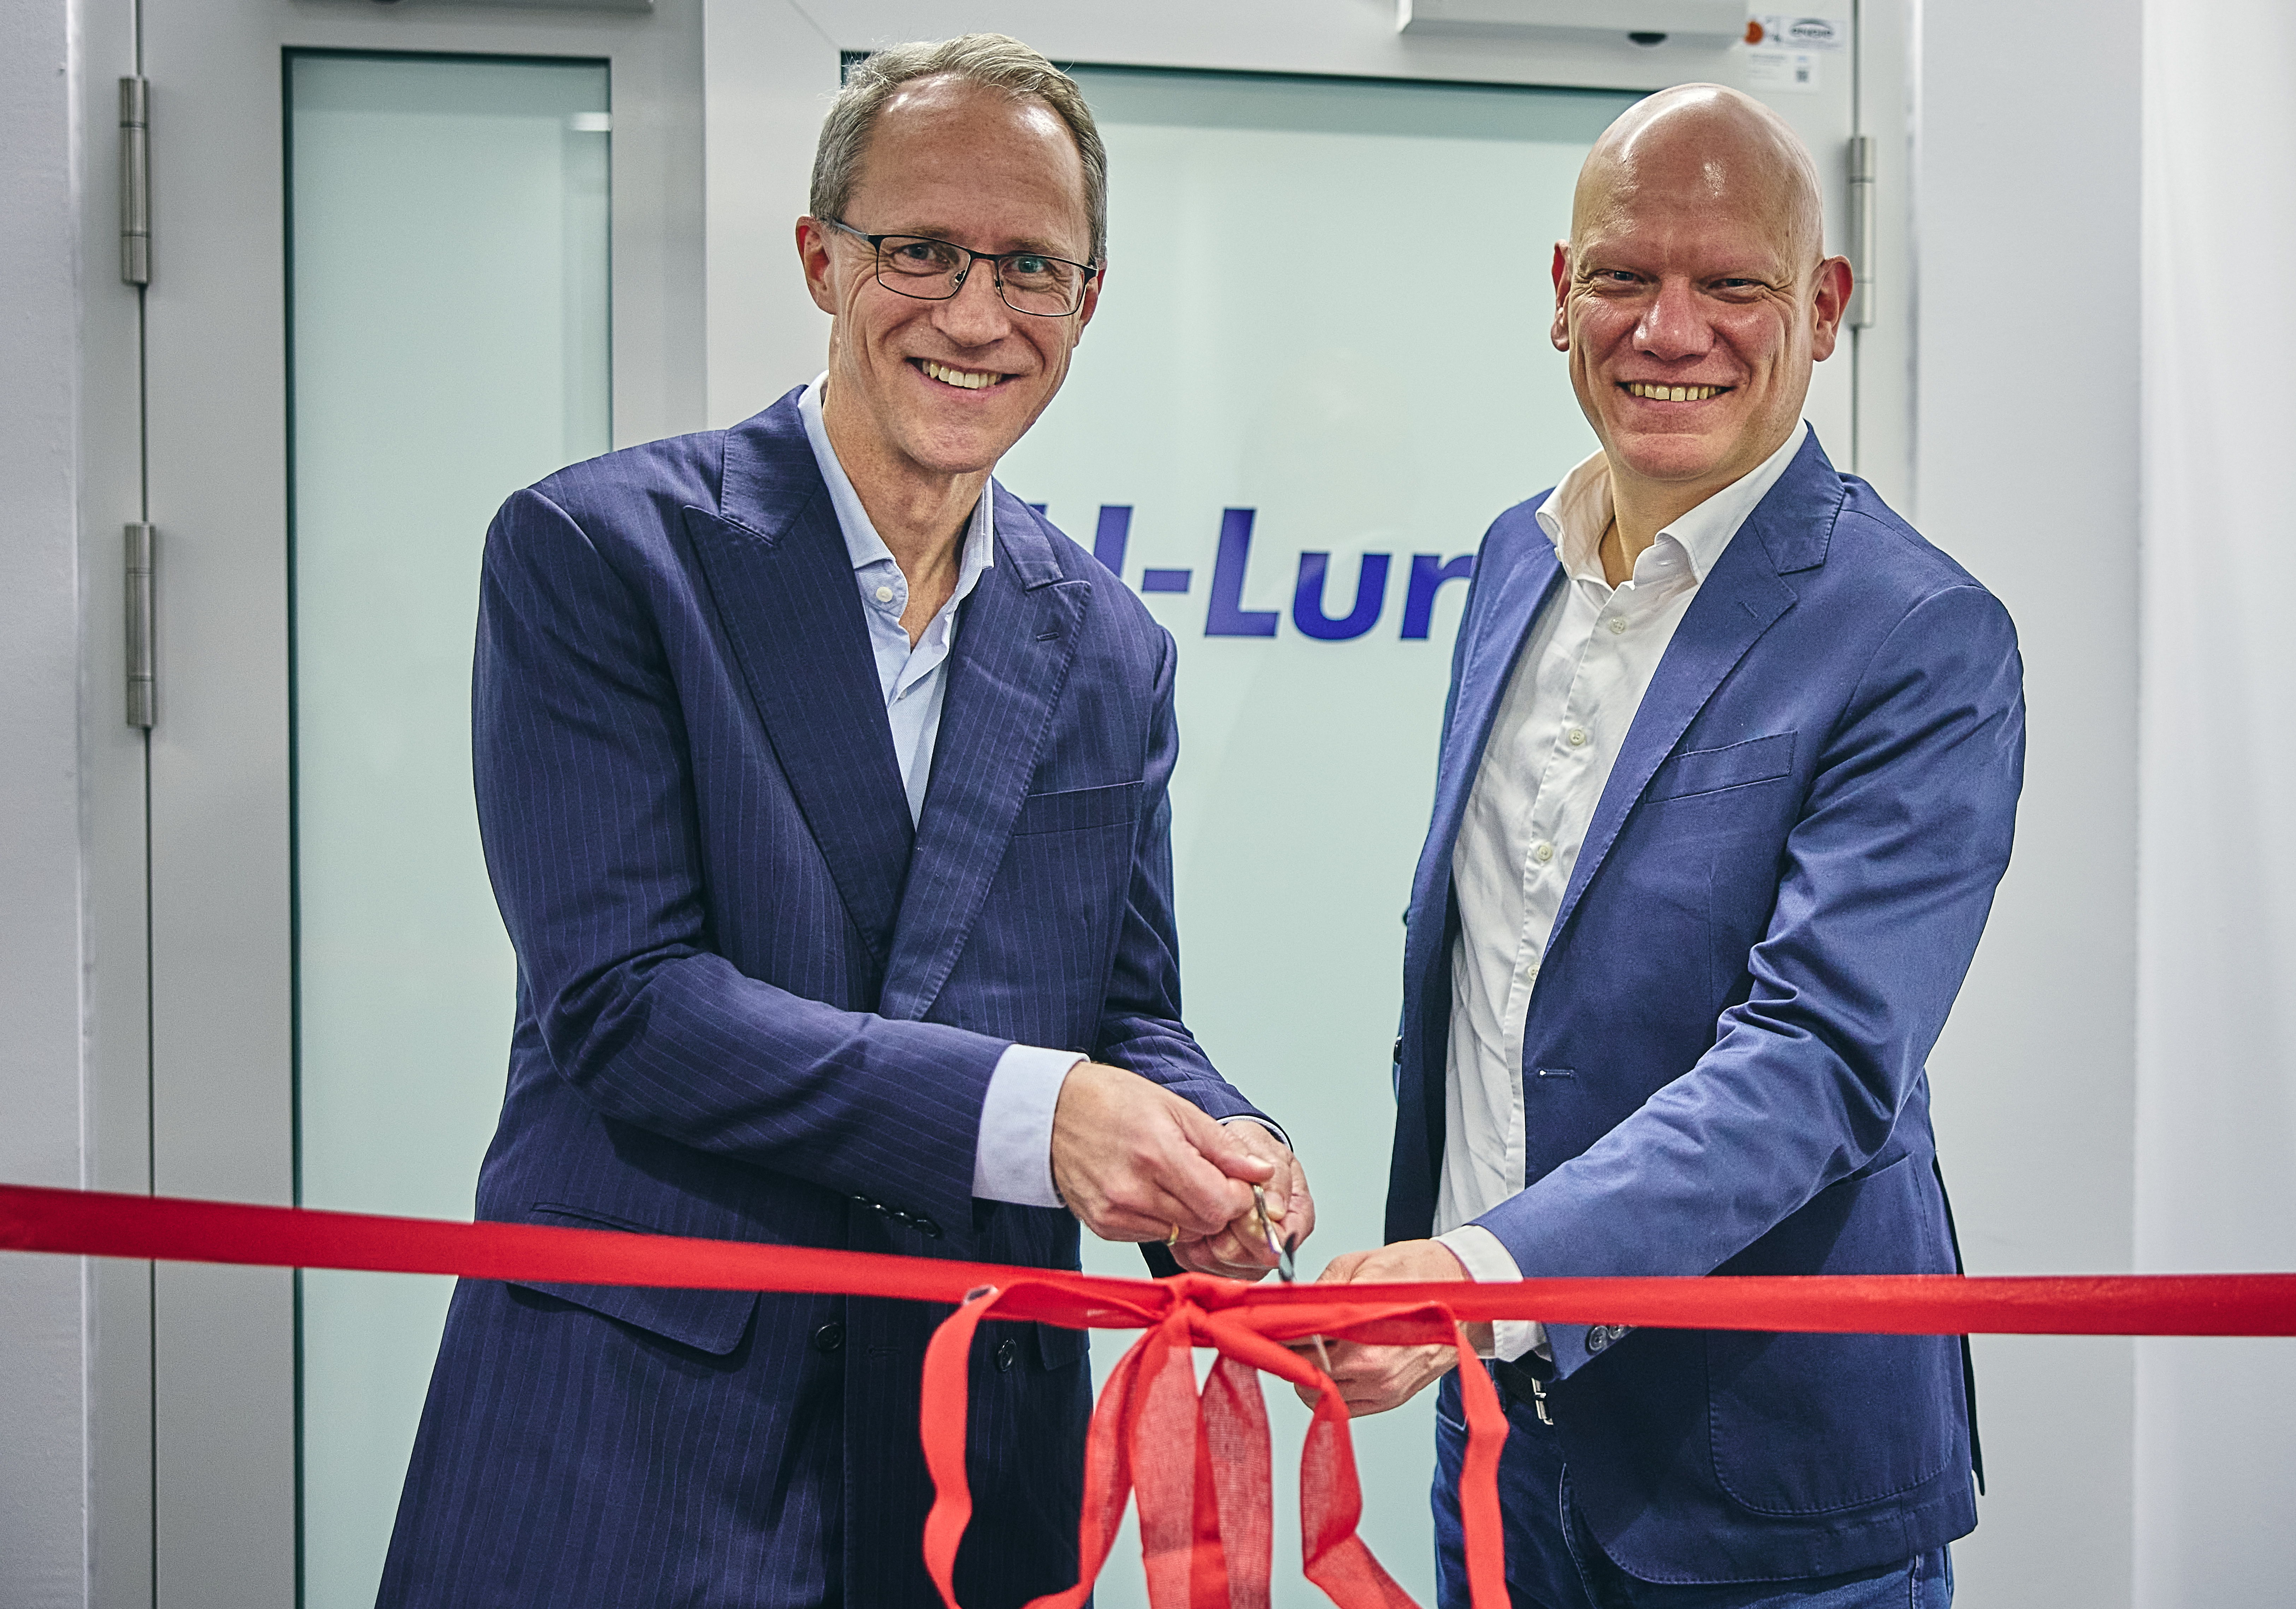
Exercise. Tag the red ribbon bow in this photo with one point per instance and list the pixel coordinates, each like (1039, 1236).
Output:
(1198, 1462)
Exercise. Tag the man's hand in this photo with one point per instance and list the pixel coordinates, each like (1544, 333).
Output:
(1239, 1250)
(1133, 1161)
(1373, 1379)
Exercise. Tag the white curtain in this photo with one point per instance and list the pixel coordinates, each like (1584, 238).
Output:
(2216, 1142)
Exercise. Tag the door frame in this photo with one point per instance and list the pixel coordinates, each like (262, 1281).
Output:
(200, 1507)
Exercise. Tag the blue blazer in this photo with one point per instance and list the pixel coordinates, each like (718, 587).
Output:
(755, 1004)
(1780, 892)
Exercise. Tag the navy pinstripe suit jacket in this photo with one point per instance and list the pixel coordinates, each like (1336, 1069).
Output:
(754, 1004)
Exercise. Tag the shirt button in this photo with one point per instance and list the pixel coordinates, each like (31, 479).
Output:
(1543, 853)
(1578, 736)
(884, 595)
(1617, 625)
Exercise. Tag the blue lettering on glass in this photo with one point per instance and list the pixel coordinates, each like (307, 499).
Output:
(1227, 617)
(1307, 598)
(1109, 537)
(1428, 574)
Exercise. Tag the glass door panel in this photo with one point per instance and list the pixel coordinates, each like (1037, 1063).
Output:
(449, 340)
(1320, 367)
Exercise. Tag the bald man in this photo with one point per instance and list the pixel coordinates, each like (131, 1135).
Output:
(1729, 770)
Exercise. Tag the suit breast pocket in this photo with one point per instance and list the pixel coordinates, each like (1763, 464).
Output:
(1701, 771)
(1118, 804)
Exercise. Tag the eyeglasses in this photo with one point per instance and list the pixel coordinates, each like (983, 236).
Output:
(934, 270)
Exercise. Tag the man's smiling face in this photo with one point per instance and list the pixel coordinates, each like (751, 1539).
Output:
(1691, 298)
(945, 388)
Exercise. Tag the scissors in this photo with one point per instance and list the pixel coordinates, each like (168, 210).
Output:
(1287, 1269)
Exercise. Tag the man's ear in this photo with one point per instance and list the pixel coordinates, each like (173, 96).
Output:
(1560, 335)
(1091, 303)
(1830, 301)
(813, 256)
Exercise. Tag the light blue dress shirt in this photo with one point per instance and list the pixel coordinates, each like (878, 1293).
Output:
(1013, 1160)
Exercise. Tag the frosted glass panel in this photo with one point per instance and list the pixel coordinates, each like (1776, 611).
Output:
(450, 343)
(1319, 368)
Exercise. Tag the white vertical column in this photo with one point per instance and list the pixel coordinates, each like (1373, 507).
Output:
(2215, 1132)
(2027, 449)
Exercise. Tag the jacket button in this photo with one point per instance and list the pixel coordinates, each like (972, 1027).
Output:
(1399, 1050)
(896, 1215)
(829, 1337)
(926, 1228)
(1008, 1353)
(1597, 1338)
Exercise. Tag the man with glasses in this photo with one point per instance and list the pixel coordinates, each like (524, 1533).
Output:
(824, 788)
(1729, 772)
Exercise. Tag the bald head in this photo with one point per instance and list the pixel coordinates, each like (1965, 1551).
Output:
(1739, 154)
(1692, 298)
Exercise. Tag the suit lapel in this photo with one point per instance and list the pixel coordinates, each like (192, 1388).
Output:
(1016, 636)
(1744, 596)
(778, 571)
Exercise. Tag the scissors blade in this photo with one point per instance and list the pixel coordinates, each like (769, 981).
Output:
(1276, 1248)
(1284, 1271)
(1287, 1266)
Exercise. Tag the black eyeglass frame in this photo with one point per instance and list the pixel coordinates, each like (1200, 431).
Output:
(994, 259)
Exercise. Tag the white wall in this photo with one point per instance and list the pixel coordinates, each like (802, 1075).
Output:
(2215, 1092)
(2025, 448)
(42, 1406)
(74, 1338)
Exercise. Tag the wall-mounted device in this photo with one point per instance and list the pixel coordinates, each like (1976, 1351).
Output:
(1701, 23)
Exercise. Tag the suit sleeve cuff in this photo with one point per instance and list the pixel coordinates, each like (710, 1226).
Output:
(1012, 1161)
(1487, 1261)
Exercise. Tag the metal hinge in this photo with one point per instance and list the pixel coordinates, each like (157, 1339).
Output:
(1861, 231)
(142, 661)
(136, 181)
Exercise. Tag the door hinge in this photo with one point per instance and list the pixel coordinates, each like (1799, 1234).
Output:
(142, 661)
(136, 181)
(1861, 231)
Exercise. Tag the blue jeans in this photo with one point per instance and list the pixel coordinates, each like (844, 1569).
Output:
(1553, 1561)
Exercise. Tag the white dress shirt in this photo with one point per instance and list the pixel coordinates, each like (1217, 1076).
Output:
(1573, 693)
(1013, 1160)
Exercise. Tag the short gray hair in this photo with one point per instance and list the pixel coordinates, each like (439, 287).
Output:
(994, 59)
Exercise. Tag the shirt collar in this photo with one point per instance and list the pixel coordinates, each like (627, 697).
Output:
(1575, 516)
(862, 543)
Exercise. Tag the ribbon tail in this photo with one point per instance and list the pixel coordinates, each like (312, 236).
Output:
(1238, 1465)
(1331, 1506)
(1163, 1433)
(1107, 1476)
(1479, 1480)
(947, 1392)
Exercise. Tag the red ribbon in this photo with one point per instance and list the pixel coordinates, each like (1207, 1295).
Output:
(1196, 1463)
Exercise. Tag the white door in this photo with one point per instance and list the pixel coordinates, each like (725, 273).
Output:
(405, 258)
(409, 258)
